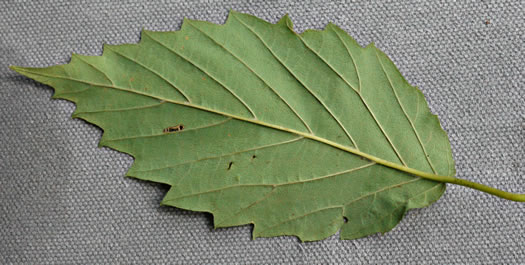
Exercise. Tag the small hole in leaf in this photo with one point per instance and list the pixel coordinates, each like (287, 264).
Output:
(230, 165)
(345, 220)
(173, 129)
(254, 156)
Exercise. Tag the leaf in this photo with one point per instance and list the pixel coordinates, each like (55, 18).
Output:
(298, 134)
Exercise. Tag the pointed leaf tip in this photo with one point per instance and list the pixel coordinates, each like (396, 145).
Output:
(17, 69)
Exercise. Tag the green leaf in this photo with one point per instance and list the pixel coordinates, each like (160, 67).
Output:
(298, 134)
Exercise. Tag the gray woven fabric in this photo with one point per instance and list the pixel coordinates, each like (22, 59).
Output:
(63, 200)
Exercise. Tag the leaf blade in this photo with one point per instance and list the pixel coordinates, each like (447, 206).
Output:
(242, 132)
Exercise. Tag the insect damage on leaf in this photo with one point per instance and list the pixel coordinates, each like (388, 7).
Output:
(173, 129)
(318, 134)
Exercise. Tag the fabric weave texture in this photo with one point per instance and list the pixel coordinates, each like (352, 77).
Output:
(65, 201)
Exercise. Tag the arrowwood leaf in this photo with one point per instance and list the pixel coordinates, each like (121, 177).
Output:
(299, 134)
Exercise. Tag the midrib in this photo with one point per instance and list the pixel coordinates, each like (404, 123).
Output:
(354, 151)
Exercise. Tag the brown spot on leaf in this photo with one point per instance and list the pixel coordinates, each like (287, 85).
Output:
(186, 38)
(173, 129)
(203, 78)
(131, 79)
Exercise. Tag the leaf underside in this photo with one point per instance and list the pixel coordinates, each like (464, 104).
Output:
(255, 123)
